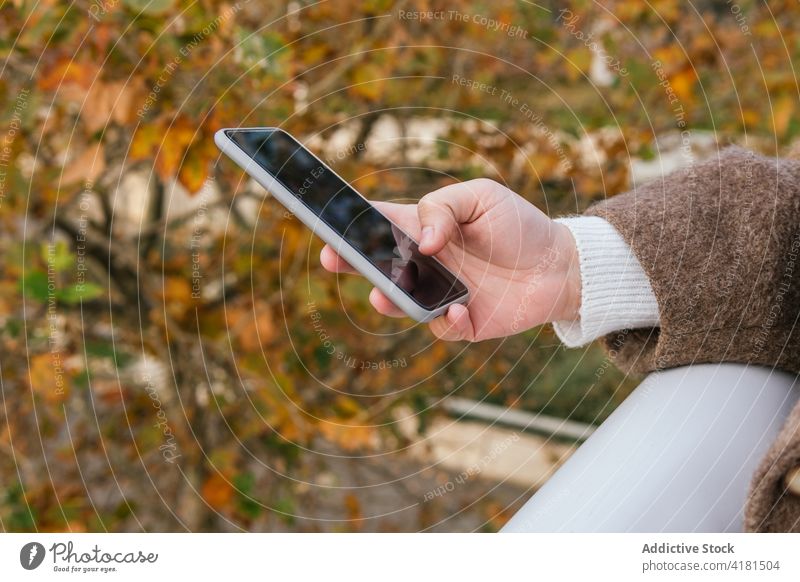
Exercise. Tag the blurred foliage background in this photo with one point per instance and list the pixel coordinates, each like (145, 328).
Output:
(171, 354)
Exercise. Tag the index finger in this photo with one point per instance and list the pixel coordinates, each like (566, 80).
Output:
(332, 262)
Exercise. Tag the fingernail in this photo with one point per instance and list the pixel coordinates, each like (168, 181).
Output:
(427, 235)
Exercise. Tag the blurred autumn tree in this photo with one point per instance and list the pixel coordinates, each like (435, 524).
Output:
(171, 355)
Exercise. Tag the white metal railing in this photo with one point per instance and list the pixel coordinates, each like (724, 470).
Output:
(494, 414)
(676, 456)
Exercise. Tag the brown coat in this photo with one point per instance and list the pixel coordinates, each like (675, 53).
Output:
(720, 243)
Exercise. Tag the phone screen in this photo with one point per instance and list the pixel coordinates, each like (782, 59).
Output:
(429, 283)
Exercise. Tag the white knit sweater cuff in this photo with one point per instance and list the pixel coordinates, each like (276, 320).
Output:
(615, 292)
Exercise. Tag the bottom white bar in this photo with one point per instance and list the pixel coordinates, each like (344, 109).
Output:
(401, 557)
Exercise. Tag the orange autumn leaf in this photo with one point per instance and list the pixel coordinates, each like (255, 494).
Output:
(353, 508)
(177, 294)
(68, 71)
(349, 435)
(314, 53)
(217, 491)
(368, 82)
(783, 113)
(683, 84)
(48, 378)
(671, 57)
(194, 169)
(347, 406)
(177, 289)
(252, 325)
(751, 117)
(145, 141)
(109, 102)
(289, 430)
(87, 167)
(172, 148)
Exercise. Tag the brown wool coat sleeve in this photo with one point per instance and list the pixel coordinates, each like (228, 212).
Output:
(720, 243)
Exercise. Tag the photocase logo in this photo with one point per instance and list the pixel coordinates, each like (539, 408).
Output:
(31, 555)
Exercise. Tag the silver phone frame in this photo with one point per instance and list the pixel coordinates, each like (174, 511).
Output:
(345, 250)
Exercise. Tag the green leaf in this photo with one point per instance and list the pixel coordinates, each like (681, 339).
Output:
(101, 349)
(245, 483)
(285, 510)
(34, 285)
(20, 515)
(355, 289)
(317, 293)
(323, 357)
(150, 7)
(58, 255)
(79, 292)
(82, 380)
(267, 50)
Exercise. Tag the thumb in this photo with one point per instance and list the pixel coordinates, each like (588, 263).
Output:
(442, 212)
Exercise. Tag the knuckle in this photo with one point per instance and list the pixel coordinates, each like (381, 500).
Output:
(487, 186)
(485, 183)
(489, 189)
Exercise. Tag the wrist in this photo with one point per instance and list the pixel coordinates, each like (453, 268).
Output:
(615, 292)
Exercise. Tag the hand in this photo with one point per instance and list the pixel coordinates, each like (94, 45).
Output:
(521, 267)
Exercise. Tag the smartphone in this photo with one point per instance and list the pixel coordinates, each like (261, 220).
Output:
(372, 244)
